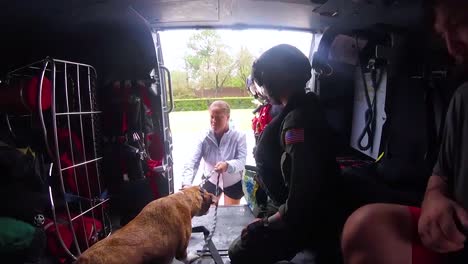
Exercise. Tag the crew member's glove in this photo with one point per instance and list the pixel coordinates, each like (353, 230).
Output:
(255, 231)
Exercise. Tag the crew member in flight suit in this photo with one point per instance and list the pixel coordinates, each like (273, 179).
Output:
(307, 218)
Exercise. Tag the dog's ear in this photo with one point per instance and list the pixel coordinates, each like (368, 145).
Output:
(184, 187)
(207, 200)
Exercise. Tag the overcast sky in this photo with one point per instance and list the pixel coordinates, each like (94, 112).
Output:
(174, 42)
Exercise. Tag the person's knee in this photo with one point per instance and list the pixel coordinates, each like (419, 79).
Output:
(367, 225)
(240, 253)
(231, 201)
(236, 251)
(355, 228)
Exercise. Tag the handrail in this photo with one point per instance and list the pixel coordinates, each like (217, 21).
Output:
(169, 85)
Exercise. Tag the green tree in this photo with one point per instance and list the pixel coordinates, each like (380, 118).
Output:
(223, 67)
(244, 63)
(192, 65)
(244, 60)
(202, 47)
(180, 87)
(208, 63)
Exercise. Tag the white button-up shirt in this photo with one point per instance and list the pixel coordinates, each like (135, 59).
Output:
(232, 149)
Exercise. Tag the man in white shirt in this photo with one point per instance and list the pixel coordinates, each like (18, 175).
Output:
(224, 151)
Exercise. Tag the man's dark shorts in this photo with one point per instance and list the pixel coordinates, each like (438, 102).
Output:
(234, 191)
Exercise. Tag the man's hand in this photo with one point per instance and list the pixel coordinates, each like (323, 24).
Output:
(221, 167)
(257, 222)
(244, 231)
(437, 226)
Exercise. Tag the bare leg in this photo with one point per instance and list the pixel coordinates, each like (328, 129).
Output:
(378, 234)
(229, 201)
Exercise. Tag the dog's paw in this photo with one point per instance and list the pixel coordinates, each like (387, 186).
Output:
(191, 258)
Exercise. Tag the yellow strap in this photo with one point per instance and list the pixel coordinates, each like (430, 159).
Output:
(380, 157)
(26, 151)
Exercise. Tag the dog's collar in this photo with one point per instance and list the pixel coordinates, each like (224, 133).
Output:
(202, 192)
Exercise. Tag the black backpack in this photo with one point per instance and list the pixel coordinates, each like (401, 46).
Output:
(24, 188)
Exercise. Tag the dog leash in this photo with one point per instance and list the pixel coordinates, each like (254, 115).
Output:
(206, 178)
(215, 217)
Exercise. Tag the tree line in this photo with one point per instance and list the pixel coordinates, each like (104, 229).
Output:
(209, 65)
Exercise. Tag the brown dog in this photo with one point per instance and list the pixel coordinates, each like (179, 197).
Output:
(158, 234)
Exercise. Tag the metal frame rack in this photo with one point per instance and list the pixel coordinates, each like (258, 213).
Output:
(71, 127)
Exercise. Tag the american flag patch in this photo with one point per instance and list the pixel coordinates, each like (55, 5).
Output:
(294, 136)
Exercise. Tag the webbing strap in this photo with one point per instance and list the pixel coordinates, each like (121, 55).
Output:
(209, 245)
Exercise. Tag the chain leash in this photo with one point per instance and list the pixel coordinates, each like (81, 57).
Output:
(215, 217)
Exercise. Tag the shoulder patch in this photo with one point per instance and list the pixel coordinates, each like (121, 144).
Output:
(294, 136)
